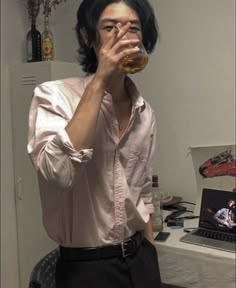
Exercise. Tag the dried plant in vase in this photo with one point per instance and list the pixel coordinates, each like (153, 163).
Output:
(47, 36)
(33, 8)
(49, 4)
(34, 52)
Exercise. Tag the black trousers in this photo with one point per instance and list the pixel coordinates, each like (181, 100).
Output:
(140, 270)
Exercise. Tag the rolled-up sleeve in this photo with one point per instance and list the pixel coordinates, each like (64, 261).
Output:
(49, 145)
(146, 192)
(62, 140)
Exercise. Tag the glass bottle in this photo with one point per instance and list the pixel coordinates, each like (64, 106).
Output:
(47, 41)
(157, 218)
(34, 49)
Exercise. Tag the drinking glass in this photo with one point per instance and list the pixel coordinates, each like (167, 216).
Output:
(135, 62)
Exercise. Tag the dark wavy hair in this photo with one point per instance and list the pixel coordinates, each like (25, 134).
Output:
(88, 15)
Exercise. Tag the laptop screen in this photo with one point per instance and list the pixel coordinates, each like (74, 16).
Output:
(218, 210)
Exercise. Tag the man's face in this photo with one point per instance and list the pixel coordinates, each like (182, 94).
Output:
(231, 203)
(112, 15)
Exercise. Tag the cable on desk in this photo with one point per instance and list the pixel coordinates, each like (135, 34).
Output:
(187, 217)
(189, 229)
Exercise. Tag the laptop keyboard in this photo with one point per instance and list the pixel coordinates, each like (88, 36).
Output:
(215, 235)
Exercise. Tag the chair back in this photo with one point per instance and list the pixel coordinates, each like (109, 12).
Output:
(43, 273)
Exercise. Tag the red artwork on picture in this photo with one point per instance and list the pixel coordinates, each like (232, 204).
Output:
(221, 164)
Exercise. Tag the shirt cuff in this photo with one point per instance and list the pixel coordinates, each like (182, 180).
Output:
(62, 140)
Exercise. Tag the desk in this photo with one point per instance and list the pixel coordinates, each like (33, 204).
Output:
(193, 266)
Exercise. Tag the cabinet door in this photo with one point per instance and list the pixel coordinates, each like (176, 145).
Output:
(33, 242)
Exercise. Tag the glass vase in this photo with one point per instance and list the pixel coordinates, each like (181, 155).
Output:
(47, 41)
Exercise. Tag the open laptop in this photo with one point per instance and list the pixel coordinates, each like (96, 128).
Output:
(217, 222)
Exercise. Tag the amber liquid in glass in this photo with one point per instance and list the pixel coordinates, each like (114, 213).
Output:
(134, 63)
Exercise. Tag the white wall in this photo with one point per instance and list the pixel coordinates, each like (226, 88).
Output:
(189, 82)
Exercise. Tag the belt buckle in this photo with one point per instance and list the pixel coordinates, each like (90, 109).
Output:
(124, 245)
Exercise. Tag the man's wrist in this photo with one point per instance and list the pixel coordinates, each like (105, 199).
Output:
(148, 232)
(99, 82)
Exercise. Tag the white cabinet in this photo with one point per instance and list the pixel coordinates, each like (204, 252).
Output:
(33, 241)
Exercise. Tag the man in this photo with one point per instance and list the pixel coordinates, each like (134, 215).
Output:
(92, 141)
(226, 216)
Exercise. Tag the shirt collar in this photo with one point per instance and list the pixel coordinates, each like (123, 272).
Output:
(137, 99)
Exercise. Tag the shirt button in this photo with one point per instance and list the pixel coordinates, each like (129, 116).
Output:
(85, 158)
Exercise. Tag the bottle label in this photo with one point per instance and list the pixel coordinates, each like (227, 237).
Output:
(47, 48)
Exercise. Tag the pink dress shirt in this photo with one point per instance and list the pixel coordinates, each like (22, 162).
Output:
(95, 196)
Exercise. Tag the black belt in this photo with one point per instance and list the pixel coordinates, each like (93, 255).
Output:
(124, 249)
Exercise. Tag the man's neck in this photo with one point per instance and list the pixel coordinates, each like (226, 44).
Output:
(117, 89)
